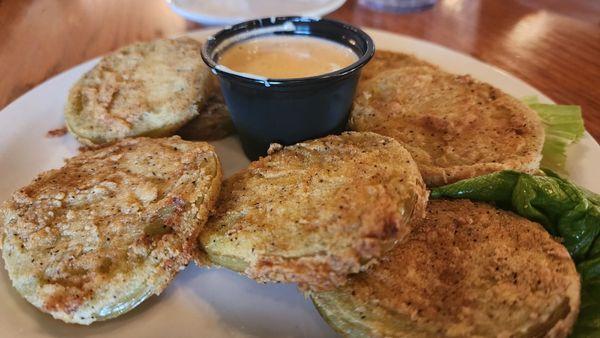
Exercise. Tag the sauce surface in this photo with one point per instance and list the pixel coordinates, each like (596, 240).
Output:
(286, 57)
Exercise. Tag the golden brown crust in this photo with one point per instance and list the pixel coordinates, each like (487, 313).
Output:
(144, 89)
(384, 60)
(454, 126)
(469, 269)
(316, 211)
(58, 132)
(111, 227)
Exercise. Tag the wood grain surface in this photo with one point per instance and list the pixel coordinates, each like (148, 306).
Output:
(552, 44)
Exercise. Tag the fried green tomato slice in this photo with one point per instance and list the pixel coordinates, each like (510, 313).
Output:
(467, 270)
(384, 60)
(93, 239)
(454, 126)
(213, 121)
(314, 212)
(144, 89)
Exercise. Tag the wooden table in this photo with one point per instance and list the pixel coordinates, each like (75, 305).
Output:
(552, 44)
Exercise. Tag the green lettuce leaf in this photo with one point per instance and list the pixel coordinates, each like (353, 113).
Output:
(563, 125)
(564, 209)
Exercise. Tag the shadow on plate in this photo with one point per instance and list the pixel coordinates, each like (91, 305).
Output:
(262, 310)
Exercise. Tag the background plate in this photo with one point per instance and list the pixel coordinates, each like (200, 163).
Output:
(202, 302)
(227, 12)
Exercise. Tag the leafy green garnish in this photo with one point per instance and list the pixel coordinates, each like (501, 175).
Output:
(564, 209)
(563, 125)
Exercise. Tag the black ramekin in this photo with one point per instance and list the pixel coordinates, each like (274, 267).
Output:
(287, 111)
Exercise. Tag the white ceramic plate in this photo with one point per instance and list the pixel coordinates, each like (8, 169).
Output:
(201, 302)
(226, 12)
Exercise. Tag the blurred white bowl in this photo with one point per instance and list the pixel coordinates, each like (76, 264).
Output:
(226, 12)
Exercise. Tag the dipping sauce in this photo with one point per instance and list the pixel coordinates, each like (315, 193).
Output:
(287, 56)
